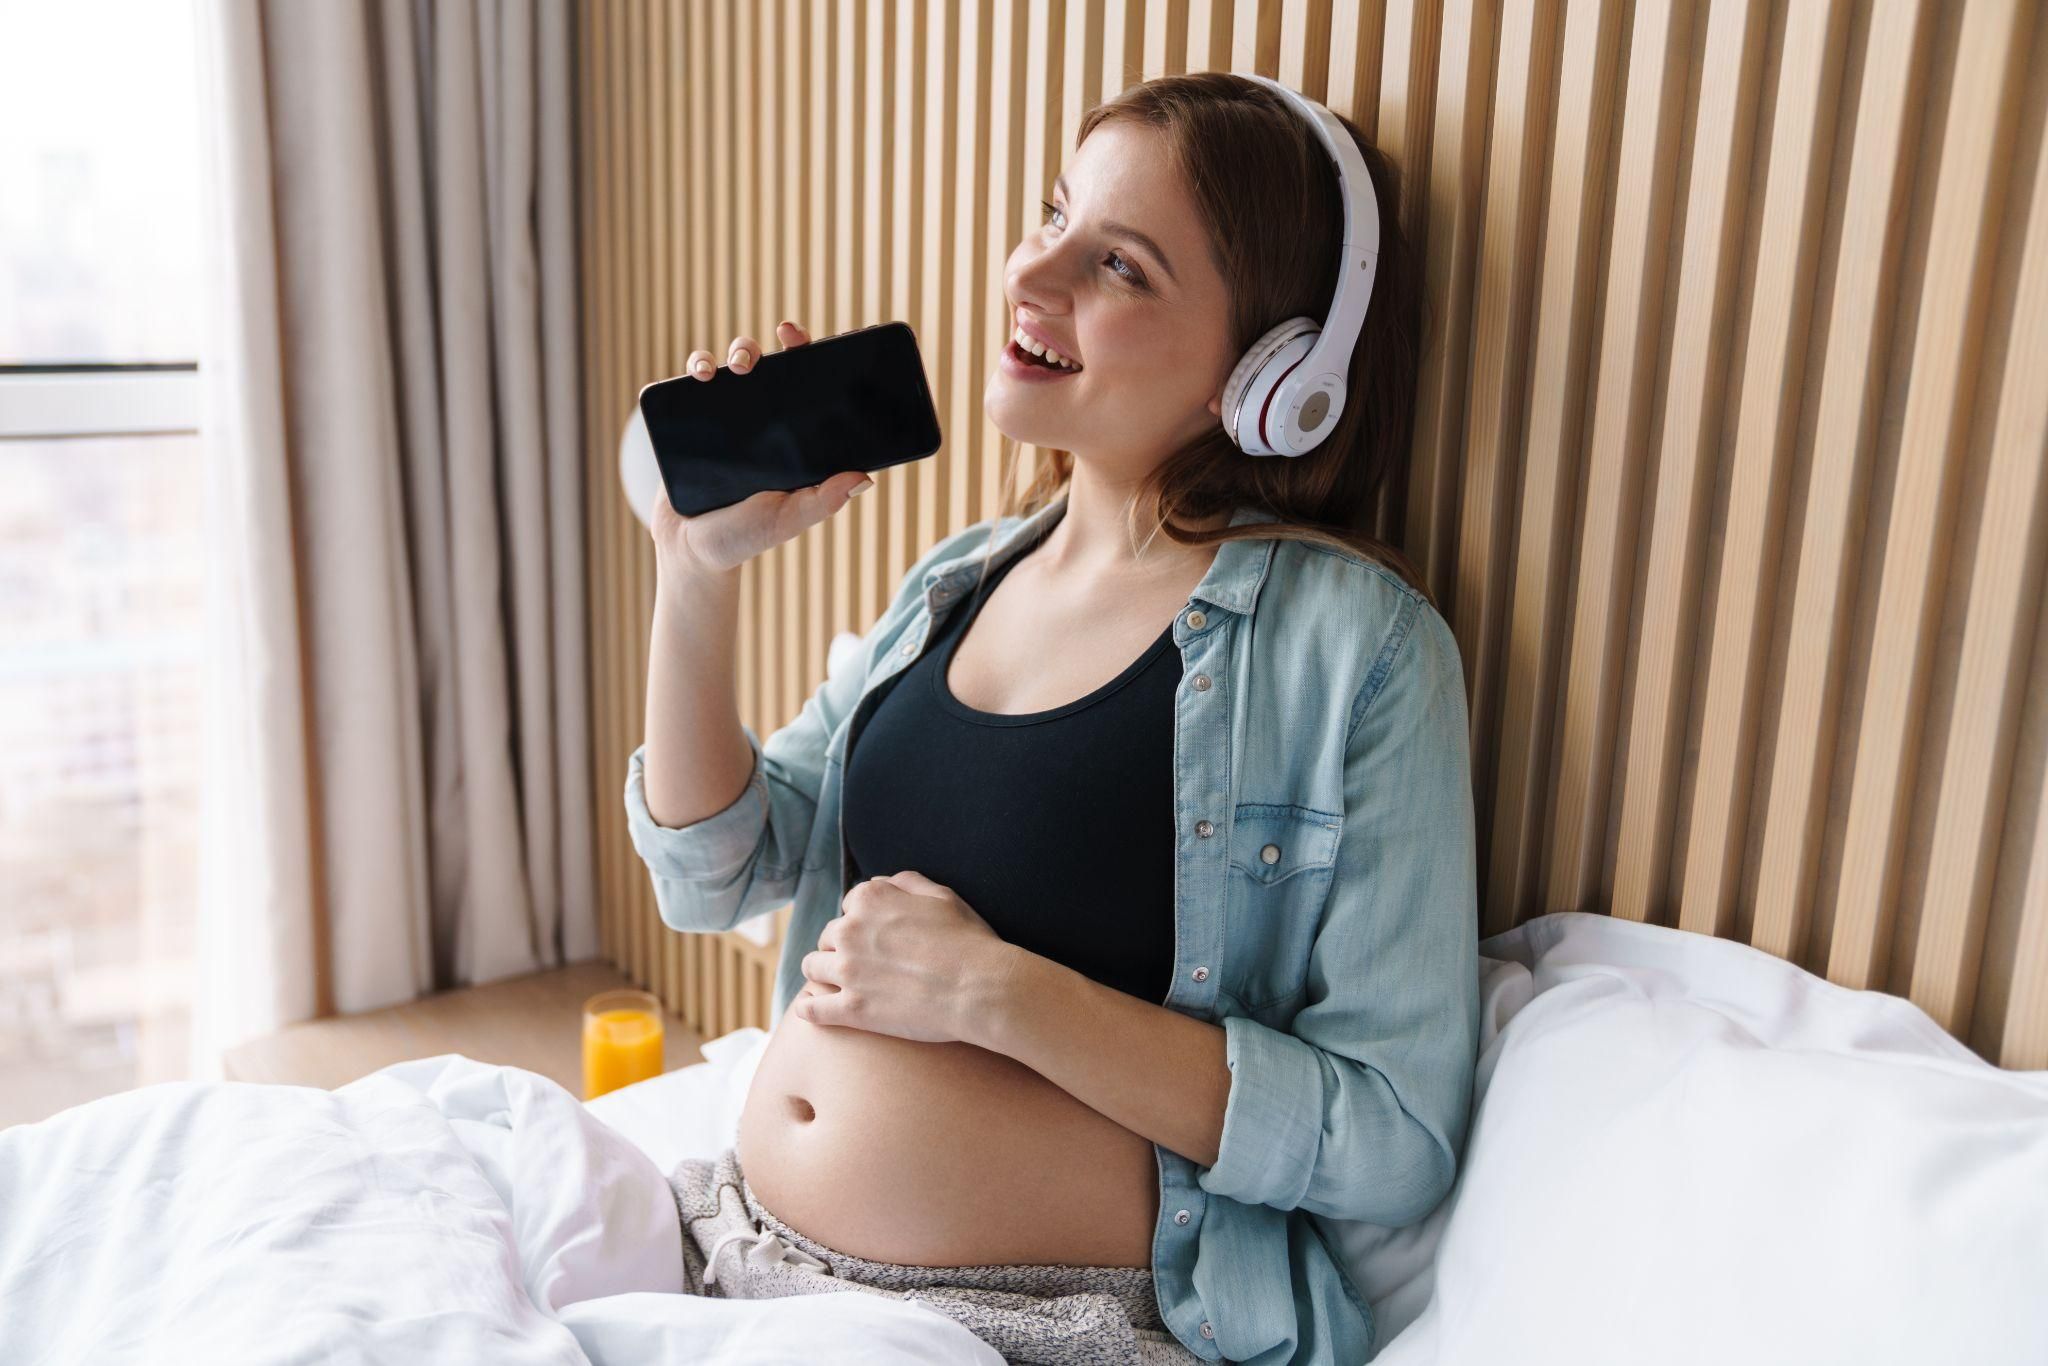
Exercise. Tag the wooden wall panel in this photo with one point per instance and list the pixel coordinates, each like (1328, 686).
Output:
(1731, 454)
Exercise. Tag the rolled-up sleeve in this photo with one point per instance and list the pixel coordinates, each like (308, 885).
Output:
(1359, 1110)
(714, 847)
(713, 874)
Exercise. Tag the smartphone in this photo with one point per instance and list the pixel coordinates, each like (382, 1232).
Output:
(857, 401)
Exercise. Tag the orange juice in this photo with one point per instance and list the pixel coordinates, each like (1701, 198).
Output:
(622, 1041)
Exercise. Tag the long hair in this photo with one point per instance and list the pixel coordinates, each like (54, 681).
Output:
(1274, 217)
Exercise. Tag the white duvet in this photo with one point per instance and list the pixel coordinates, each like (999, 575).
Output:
(443, 1210)
(1683, 1150)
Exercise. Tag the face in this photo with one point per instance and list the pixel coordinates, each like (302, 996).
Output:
(1149, 328)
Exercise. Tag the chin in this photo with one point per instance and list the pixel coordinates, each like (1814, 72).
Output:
(1012, 415)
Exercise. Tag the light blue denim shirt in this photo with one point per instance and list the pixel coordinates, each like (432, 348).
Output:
(1325, 908)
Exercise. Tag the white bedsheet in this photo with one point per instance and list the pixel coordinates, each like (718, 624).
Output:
(437, 1210)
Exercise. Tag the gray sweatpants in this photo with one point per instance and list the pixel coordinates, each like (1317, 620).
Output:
(1059, 1315)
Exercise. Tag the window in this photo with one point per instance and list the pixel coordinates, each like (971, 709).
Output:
(101, 545)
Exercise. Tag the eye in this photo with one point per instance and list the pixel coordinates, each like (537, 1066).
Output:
(1122, 267)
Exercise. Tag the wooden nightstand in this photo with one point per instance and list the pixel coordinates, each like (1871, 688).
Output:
(533, 1022)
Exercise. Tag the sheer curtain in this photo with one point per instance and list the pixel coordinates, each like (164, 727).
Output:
(397, 771)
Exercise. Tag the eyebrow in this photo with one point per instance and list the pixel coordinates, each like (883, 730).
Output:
(1126, 230)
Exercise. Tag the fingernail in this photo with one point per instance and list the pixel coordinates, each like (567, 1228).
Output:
(702, 367)
(861, 487)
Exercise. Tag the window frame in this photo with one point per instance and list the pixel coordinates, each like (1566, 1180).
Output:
(150, 398)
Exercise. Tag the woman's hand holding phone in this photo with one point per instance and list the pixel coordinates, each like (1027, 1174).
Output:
(720, 541)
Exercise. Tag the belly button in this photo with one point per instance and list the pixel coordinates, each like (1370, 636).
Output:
(801, 1108)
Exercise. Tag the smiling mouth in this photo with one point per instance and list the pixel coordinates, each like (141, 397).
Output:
(1036, 362)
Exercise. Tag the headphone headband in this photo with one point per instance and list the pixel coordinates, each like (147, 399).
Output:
(1289, 388)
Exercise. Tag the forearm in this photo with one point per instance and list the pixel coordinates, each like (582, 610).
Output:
(698, 759)
(1153, 1070)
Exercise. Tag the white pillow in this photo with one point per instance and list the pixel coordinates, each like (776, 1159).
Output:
(1684, 1149)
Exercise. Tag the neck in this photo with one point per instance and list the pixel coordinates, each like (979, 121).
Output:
(1094, 539)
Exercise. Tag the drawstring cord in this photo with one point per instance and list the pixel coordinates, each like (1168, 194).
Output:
(769, 1248)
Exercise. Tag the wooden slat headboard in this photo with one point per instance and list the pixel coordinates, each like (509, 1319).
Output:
(1729, 460)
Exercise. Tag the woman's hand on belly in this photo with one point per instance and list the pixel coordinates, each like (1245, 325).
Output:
(908, 958)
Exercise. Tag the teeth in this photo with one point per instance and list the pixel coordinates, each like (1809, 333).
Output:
(1027, 342)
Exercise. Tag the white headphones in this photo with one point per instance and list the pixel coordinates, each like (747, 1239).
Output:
(1288, 391)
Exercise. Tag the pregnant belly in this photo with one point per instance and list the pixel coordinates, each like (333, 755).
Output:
(940, 1155)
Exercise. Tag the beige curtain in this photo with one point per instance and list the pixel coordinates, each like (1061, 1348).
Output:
(397, 750)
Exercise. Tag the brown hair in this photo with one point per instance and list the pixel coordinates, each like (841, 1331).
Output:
(1274, 215)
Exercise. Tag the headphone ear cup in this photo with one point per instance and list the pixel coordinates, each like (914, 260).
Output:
(1253, 380)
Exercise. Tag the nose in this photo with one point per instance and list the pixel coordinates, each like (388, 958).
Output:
(1037, 279)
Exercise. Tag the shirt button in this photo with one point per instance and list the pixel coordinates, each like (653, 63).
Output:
(1196, 621)
(1204, 829)
(1180, 1217)
(1270, 854)
(1207, 1331)
(910, 647)
(1200, 974)
(1201, 682)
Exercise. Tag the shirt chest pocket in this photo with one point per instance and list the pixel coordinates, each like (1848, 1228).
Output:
(1282, 860)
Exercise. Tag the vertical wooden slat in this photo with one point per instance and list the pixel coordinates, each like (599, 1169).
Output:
(1503, 298)
(1881, 170)
(1356, 34)
(593, 186)
(1255, 37)
(1123, 46)
(1305, 47)
(1693, 399)
(1208, 35)
(1166, 38)
(1561, 347)
(1975, 152)
(2024, 1040)
(1082, 82)
(2004, 603)
(1626, 373)
(1562, 344)
(938, 201)
(969, 351)
(1452, 182)
(1403, 128)
(620, 725)
(1772, 377)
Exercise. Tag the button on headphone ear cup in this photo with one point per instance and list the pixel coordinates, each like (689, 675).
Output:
(1263, 367)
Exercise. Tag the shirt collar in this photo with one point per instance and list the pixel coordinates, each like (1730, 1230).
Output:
(1232, 583)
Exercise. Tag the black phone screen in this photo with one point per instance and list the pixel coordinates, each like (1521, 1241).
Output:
(857, 401)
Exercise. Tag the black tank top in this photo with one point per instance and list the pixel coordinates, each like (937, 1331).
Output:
(1055, 826)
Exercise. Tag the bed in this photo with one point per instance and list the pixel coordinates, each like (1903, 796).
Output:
(1683, 1149)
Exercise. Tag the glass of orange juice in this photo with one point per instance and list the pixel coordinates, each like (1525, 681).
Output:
(621, 1040)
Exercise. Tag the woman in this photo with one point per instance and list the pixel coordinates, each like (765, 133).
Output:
(1147, 940)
